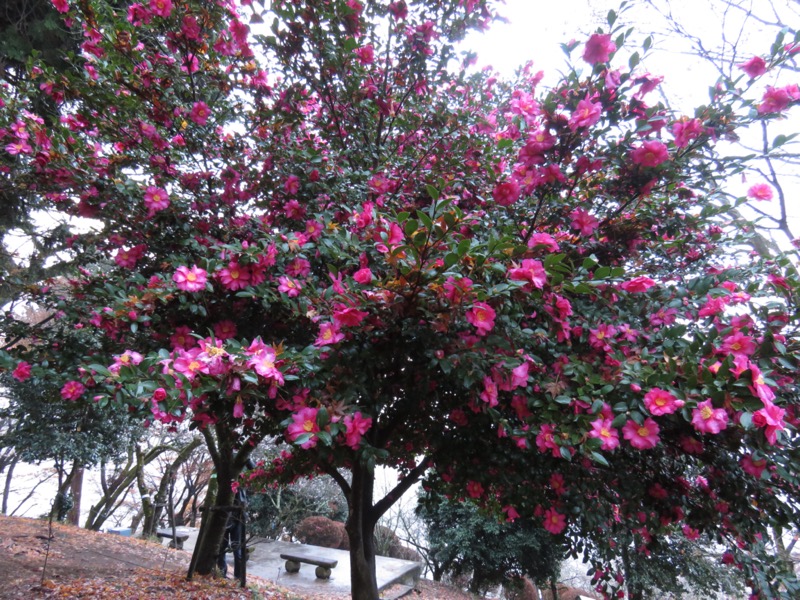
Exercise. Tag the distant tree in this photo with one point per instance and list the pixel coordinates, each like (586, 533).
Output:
(464, 541)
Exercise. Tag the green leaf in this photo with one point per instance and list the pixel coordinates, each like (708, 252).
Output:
(432, 192)
(410, 227)
(599, 459)
(565, 453)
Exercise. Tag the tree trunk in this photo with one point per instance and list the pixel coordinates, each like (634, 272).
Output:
(360, 529)
(228, 463)
(7, 487)
(76, 488)
(60, 503)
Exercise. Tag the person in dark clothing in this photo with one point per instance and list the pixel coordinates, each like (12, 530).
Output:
(234, 539)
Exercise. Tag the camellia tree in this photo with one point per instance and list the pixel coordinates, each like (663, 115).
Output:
(337, 234)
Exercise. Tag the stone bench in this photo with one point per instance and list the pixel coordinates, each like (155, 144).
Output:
(177, 539)
(324, 565)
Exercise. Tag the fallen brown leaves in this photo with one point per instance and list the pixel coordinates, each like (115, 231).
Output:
(154, 585)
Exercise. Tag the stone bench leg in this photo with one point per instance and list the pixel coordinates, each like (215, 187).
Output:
(323, 573)
(292, 566)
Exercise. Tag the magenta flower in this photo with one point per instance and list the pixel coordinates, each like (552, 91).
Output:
(707, 419)
(481, 316)
(474, 489)
(755, 67)
(234, 277)
(686, 130)
(200, 113)
(661, 402)
(328, 334)
(505, 194)
(511, 513)
(543, 239)
(182, 338)
(761, 192)
(583, 221)
(598, 49)
(650, 154)
(641, 437)
(776, 99)
(72, 390)
(190, 280)
(304, 421)
(155, 200)
(737, 344)
(224, 330)
(162, 8)
(188, 363)
(753, 467)
(531, 271)
(770, 418)
(356, 426)
(554, 521)
(759, 387)
(489, 393)
(238, 408)
(586, 114)
(363, 276)
(603, 431)
(290, 287)
(637, 285)
(348, 316)
(22, 372)
(61, 6)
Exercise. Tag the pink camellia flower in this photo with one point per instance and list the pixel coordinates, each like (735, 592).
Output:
(238, 408)
(546, 440)
(583, 221)
(61, 6)
(761, 192)
(348, 316)
(234, 277)
(126, 359)
(363, 276)
(531, 271)
(182, 338)
(650, 154)
(755, 67)
(481, 316)
(511, 513)
(155, 200)
(489, 393)
(641, 437)
(290, 287)
(328, 334)
(356, 426)
(190, 280)
(366, 54)
(770, 418)
(554, 521)
(776, 99)
(603, 431)
(687, 130)
(738, 344)
(598, 49)
(543, 239)
(224, 330)
(474, 489)
(752, 466)
(707, 419)
(200, 113)
(505, 194)
(72, 390)
(661, 402)
(638, 284)
(586, 114)
(22, 372)
(305, 422)
(162, 8)
(759, 387)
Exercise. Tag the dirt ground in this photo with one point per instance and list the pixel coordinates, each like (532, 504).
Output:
(76, 563)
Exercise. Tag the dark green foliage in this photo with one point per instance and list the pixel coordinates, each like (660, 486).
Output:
(463, 541)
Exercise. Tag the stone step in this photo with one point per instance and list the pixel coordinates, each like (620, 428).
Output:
(397, 591)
